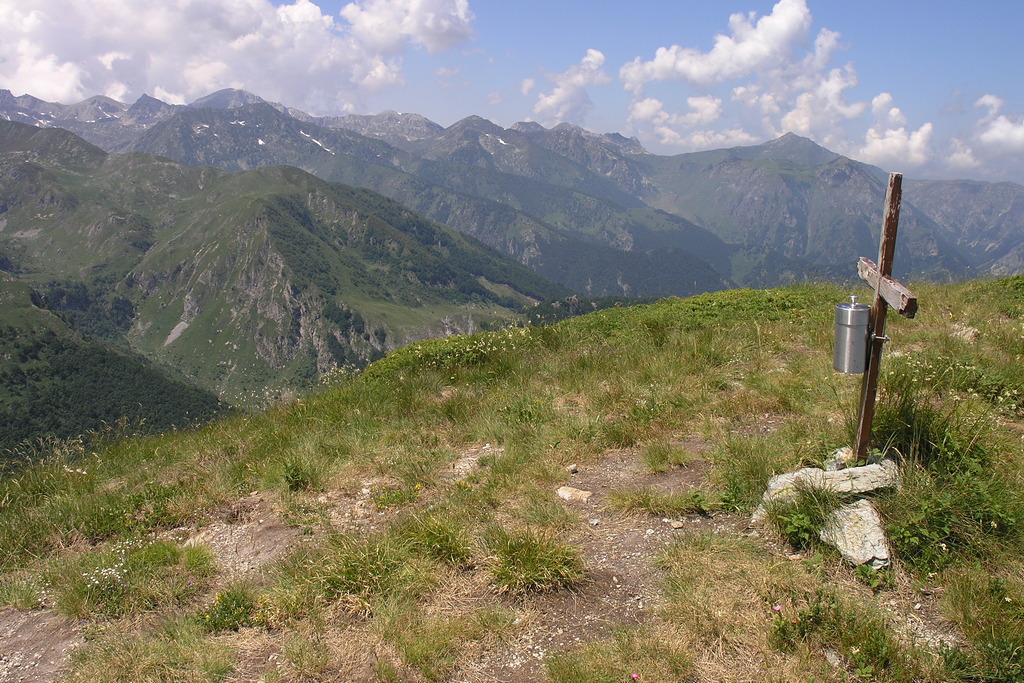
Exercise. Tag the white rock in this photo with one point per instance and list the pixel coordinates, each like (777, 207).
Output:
(856, 532)
(574, 495)
(783, 488)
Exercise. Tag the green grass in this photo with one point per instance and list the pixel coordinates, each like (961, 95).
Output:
(660, 456)
(662, 504)
(530, 561)
(180, 651)
(440, 562)
(640, 653)
(989, 609)
(127, 578)
(800, 520)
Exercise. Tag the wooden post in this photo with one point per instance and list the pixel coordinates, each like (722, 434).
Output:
(886, 249)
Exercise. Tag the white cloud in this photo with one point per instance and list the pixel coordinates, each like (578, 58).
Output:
(168, 96)
(998, 133)
(703, 111)
(569, 101)
(775, 82)
(897, 148)
(1004, 134)
(527, 86)
(788, 85)
(450, 77)
(116, 91)
(437, 25)
(750, 47)
(65, 50)
(885, 113)
(990, 102)
(820, 111)
(710, 139)
(670, 129)
(962, 157)
(888, 142)
(108, 59)
(755, 97)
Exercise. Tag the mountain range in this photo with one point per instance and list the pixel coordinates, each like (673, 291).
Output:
(247, 244)
(590, 211)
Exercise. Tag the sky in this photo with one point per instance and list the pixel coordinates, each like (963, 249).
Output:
(931, 89)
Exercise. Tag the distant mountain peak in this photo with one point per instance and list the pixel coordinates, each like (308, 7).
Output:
(228, 98)
(528, 127)
(147, 110)
(477, 124)
(798, 149)
(473, 120)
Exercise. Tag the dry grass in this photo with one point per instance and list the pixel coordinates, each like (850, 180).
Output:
(404, 489)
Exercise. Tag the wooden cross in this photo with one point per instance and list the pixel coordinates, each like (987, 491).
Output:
(888, 292)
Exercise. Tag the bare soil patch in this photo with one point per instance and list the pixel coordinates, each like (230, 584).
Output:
(35, 646)
(246, 536)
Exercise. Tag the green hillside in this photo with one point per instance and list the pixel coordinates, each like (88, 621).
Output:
(55, 384)
(404, 523)
(245, 283)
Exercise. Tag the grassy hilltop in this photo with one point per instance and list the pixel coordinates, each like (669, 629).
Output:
(402, 524)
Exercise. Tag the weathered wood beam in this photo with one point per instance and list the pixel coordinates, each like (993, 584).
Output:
(886, 249)
(902, 300)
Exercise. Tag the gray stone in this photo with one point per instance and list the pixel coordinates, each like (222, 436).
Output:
(574, 495)
(784, 488)
(856, 532)
(852, 480)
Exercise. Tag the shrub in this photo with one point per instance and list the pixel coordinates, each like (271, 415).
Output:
(826, 620)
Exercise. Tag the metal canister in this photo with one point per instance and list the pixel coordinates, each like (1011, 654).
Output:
(851, 349)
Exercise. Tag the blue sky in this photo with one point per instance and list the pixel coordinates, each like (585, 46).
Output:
(931, 89)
